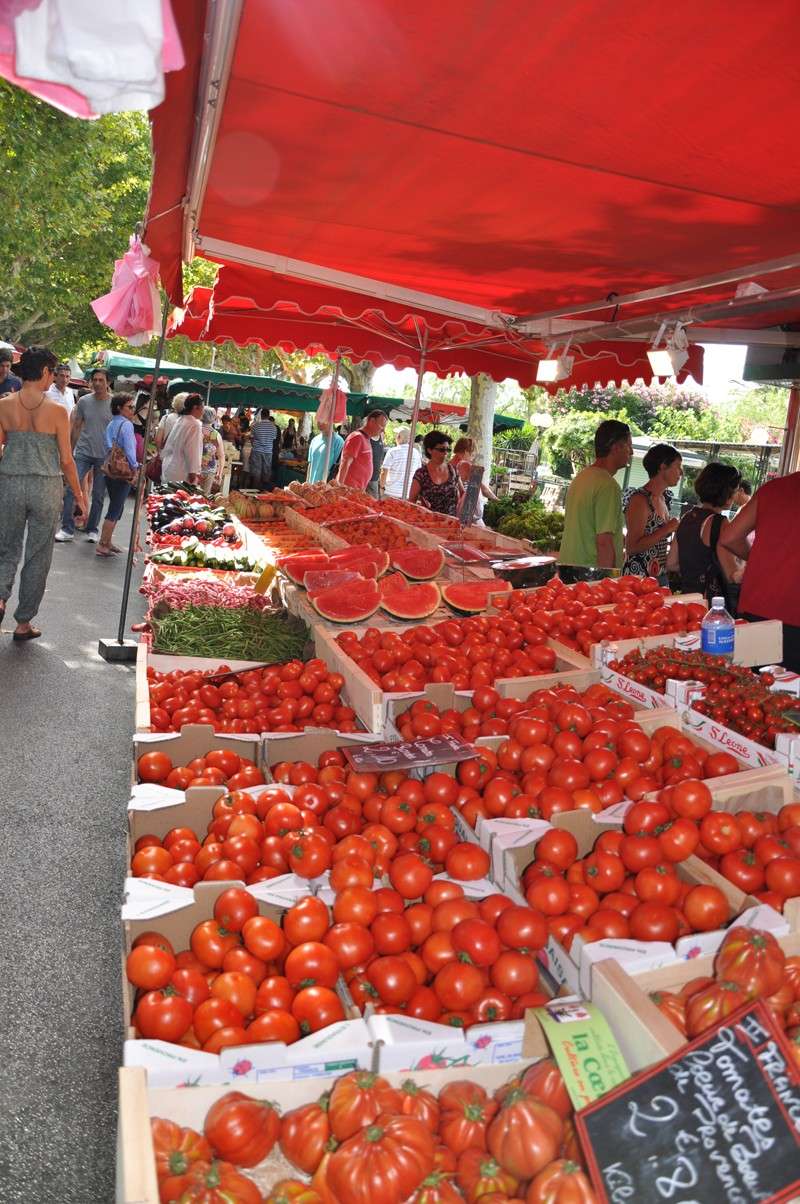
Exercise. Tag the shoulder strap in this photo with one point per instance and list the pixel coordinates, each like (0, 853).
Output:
(713, 533)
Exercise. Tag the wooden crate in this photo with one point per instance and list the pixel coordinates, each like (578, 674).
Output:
(164, 663)
(755, 643)
(644, 1034)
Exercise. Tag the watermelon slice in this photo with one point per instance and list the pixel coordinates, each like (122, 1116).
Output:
(421, 564)
(406, 601)
(358, 555)
(350, 603)
(318, 580)
(298, 564)
(472, 597)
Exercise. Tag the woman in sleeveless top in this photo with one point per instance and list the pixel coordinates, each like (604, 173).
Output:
(34, 432)
(698, 547)
(648, 522)
(436, 485)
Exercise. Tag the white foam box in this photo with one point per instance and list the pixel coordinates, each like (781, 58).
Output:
(622, 992)
(140, 1100)
(787, 748)
(372, 704)
(340, 1047)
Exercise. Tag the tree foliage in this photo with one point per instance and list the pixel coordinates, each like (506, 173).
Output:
(571, 437)
(72, 192)
(686, 424)
(643, 402)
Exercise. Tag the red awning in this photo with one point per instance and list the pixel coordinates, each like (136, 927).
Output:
(516, 157)
(252, 306)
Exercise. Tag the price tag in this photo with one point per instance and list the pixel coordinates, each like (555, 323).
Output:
(717, 1122)
(590, 1061)
(412, 754)
(265, 580)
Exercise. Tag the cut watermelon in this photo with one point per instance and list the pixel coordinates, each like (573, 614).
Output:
(358, 555)
(406, 601)
(321, 579)
(421, 564)
(471, 597)
(348, 603)
(297, 565)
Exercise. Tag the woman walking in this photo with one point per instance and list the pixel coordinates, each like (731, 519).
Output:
(213, 463)
(182, 457)
(34, 431)
(648, 521)
(436, 485)
(119, 433)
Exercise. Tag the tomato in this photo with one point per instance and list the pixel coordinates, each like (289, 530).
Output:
(274, 1024)
(525, 1135)
(242, 1130)
(719, 833)
(177, 1149)
(311, 964)
(304, 1133)
(212, 1015)
(215, 1182)
(711, 1004)
(391, 932)
(562, 1182)
(706, 908)
(549, 894)
(604, 872)
(522, 928)
(783, 876)
(719, 764)
(315, 1008)
(558, 847)
(263, 938)
(465, 1111)
(163, 1015)
(210, 942)
(191, 984)
(458, 985)
(307, 920)
(352, 944)
(608, 922)
(657, 884)
(514, 973)
(234, 907)
(479, 941)
(654, 922)
(545, 1081)
(478, 1175)
(636, 852)
(393, 978)
(752, 959)
(385, 1161)
(153, 767)
(238, 988)
(358, 1099)
(743, 870)
(410, 875)
(150, 967)
(308, 855)
(678, 839)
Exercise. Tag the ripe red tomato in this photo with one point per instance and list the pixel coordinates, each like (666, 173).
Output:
(706, 908)
(153, 767)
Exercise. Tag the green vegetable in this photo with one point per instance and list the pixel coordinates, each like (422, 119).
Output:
(247, 635)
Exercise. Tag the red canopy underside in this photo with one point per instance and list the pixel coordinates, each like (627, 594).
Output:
(520, 156)
(252, 306)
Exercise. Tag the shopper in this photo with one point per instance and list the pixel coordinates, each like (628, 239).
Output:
(742, 495)
(168, 420)
(436, 485)
(593, 510)
(772, 559)
(316, 454)
(119, 433)
(699, 552)
(34, 431)
(648, 523)
(182, 457)
(378, 448)
(60, 391)
(141, 406)
(289, 441)
(9, 381)
(264, 436)
(89, 420)
(393, 469)
(213, 462)
(463, 462)
(357, 465)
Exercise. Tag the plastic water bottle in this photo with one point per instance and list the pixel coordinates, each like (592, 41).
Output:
(718, 631)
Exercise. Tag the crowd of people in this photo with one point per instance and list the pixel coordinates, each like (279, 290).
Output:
(751, 559)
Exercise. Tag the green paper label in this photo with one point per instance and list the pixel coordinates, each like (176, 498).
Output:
(584, 1048)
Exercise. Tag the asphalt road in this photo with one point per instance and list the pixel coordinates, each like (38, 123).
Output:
(66, 720)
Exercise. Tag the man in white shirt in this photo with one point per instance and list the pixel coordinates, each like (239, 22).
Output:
(60, 391)
(394, 464)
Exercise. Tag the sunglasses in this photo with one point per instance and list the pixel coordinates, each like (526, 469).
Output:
(442, 447)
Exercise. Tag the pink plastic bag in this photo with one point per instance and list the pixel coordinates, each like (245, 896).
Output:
(131, 308)
(332, 408)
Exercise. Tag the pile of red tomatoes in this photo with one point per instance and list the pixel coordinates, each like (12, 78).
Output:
(280, 698)
(571, 613)
(467, 652)
(367, 1139)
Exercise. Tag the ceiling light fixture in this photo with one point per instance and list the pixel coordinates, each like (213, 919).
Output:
(669, 359)
(555, 368)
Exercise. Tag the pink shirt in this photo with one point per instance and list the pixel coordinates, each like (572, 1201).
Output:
(358, 473)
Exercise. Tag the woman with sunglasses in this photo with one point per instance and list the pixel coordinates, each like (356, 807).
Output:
(436, 485)
(120, 432)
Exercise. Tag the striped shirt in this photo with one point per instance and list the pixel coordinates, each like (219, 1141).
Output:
(263, 436)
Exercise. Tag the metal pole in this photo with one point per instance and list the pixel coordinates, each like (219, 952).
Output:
(791, 439)
(415, 413)
(329, 440)
(138, 503)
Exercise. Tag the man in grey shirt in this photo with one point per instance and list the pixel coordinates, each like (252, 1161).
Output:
(90, 418)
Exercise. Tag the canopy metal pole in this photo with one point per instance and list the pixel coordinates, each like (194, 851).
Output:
(415, 413)
(122, 649)
(329, 440)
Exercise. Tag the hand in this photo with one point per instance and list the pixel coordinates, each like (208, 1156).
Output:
(81, 505)
(670, 527)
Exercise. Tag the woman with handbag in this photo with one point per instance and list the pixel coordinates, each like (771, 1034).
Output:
(698, 551)
(120, 467)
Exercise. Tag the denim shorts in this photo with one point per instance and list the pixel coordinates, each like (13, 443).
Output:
(118, 491)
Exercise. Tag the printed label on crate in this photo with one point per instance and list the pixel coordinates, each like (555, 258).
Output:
(584, 1047)
(631, 689)
(411, 754)
(712, 1122)
(752, 754)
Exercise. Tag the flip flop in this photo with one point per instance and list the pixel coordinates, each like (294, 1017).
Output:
(103, 552)
(22, 636)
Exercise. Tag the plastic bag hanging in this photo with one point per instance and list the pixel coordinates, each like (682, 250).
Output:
(332, 407)
(132, 308)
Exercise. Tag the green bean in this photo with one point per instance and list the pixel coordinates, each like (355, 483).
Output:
(231, 634)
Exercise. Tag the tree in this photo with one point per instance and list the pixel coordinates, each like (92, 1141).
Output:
(480, 421)
(71, 196)
(705, 426)
(571, 437)
(761, 407)
(643, 402)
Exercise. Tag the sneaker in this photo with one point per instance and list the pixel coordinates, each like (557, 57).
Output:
(63, 536)
(92, 536)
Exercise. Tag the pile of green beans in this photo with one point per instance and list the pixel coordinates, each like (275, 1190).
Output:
(241, 634)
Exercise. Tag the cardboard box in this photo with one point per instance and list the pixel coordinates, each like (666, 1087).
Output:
(371, 703)
(194, 740)
(140, 1100)
(342, 1046)
(644, 1034)
(755, 643)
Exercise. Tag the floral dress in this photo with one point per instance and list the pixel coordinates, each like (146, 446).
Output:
(651, 562)
(441, 498)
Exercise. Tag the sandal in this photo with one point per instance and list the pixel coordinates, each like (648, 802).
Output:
(117, 551)
(101, 551)
(31, 634)
(2, 612)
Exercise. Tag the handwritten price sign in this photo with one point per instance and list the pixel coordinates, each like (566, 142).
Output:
(718, 1122)
(411, 754)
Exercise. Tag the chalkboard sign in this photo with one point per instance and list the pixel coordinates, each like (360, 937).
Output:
(410, 754)
(713, 1123)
